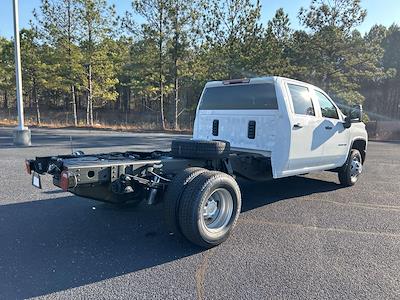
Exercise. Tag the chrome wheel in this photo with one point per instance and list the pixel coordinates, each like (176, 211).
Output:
(355, 167)
(217, 210)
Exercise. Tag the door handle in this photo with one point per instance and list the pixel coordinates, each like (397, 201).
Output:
(328, 127)
(297, 126)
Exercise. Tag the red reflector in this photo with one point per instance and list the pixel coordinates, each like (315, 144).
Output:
(28, 167)
(64, 180)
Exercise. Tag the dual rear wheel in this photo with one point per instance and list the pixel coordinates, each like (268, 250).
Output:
(203, 206)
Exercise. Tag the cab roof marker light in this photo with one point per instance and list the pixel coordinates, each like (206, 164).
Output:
(236, 81)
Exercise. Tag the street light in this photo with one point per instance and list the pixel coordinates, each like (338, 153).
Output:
(22, 135)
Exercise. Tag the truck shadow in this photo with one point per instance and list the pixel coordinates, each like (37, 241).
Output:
(53, 245)
(256, 194)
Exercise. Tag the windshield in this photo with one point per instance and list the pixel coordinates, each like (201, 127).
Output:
(248, 96)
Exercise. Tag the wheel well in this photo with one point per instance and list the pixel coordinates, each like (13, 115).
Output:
(360, 145)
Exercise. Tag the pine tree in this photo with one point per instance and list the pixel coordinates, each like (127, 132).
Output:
(271, 56)
(37, 69)
(98, 21)
(155, 13)
(183, 16)
(232, 31)
(334, 55)
(7, 71)
(58, 25)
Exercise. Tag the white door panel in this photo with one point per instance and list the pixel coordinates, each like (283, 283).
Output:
(336, 141)
(304, 151)
(333, 136)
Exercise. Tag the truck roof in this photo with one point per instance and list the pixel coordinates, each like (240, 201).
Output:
(263, 79)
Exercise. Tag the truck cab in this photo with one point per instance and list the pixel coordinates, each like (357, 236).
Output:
(294, 124)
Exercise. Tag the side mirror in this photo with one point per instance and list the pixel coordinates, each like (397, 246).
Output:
(356, 113)
(347, 122)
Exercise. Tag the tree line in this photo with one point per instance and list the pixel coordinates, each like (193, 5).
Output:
(79, 55)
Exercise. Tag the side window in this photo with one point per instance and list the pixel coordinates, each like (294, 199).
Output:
(301, 98)
(328, 110)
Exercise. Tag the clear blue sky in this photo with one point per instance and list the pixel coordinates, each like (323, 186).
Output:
(384, 12)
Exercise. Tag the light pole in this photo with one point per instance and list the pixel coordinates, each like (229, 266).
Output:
(22, 135)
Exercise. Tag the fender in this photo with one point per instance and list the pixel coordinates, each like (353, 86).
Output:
(357, 139)
(363, 142)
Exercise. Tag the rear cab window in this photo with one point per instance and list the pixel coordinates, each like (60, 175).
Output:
(301, 99)
(240, 96)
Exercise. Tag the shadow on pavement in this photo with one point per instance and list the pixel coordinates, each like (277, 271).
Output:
(52, 245)
(256, 194)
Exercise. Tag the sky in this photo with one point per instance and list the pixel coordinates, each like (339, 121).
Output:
(384, 12)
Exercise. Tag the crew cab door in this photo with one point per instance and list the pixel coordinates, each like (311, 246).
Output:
(332, 135)
(304, 154)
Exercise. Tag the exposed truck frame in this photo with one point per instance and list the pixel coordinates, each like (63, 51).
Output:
(119, 177)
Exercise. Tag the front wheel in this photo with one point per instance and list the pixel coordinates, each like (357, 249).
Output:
(209, 208)
(350, 172)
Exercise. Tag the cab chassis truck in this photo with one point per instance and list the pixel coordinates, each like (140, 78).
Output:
(258, 129)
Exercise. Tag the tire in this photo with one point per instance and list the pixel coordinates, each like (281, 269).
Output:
(200, 149)
(351, 170)
(208, 221)
(173, 195)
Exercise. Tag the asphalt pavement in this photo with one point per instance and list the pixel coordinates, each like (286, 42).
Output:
(297, 238)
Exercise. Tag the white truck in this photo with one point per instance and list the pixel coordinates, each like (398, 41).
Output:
(258, 129)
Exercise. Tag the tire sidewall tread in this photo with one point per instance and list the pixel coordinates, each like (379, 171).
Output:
(203, 149)
(344, 173)
(192, 202)
(174, 194)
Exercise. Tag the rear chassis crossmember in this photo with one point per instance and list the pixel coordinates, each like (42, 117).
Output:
(117, 177)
